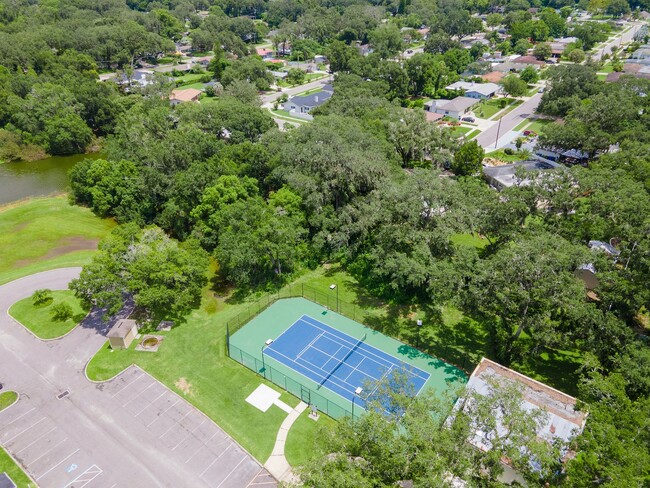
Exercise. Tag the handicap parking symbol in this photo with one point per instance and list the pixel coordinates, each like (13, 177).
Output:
(71, 468)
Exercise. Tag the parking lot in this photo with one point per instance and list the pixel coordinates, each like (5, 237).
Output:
(130, 431)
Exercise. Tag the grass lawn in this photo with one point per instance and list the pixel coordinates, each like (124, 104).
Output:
(508, 109)
(490, 107)
(188, 78)
(283, 114)
(38, 318)
(601, 76)
(459, 131)
(7, 465)
(196, 86)
(535, 125)
(470, 240)
(472, 134)
(499, 154)
(309, 92)
(607, 68)
(46, 233)
(303, 439)
(7, 398)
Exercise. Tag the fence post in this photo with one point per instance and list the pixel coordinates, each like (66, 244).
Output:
(302, 286)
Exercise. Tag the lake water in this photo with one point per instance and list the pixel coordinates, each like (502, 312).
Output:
(37, 178)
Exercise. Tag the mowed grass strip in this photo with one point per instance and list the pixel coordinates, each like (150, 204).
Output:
(7, 465)
(47, 233)
(7, 398)
(304, 438)
(39, 318)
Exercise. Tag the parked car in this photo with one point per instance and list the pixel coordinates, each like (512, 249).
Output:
(468, 119)
(541, 90)
(530, 133)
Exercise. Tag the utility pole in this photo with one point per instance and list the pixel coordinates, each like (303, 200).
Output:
(498, 129)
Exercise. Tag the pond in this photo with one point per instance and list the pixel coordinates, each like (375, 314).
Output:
(37, 178)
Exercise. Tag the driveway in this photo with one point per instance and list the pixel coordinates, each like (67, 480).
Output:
(129, 431)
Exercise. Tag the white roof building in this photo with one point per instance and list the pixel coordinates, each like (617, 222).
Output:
(475, 90)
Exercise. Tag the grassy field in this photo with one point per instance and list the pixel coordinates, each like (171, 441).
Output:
(490, 107)
(189, 78)
(472, 134)
(7, 465)
(499, 154)
(39, 320)
(508, 109)
(283, 114)
(304, 436)
(458, 131)
(535, 125)
(7, 398)
(46, 233)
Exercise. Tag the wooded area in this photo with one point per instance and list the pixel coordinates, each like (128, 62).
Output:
(370, 184)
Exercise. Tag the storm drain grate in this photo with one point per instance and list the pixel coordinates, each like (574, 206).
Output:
(63, 394)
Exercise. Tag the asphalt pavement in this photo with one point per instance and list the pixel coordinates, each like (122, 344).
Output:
(129, 432)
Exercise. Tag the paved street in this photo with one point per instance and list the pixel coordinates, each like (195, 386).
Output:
(488, 138)
(130, 431)
(617, 42)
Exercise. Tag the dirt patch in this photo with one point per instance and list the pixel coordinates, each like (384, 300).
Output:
(184, 385)
(65, 246)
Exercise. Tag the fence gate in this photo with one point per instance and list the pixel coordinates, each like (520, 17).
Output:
(305, 395)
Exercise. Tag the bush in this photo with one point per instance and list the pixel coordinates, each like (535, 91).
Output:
(62, 312)
(40, 297)
(509, 151)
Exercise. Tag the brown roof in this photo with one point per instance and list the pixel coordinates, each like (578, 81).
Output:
(122, 328)
(615, 76)
(493, 76)
(527, 60)
(187, 95)
(432, 117)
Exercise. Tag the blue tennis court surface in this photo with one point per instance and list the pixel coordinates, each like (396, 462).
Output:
(337, 361)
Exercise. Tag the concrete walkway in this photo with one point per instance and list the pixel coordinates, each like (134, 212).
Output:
(277, 464)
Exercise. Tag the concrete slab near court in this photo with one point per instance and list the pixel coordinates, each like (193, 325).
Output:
(130, 431)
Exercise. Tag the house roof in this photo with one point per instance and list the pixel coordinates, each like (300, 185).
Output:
(493, 76)
(563, 421)
(505, 174)
(122, 328)
(485, 89)
(186, 95)
(261, 51)
(432, 116)
(604, 246)
(458, 104)
(312, 100)
(528, 60)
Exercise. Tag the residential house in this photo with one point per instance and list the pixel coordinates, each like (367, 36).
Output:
(631, 69)
(559, 45)
(186, 95)
(264, 53)
(504, 176)
(137, 78)
(300, 106)
(493, 76)
(525, 61)
(455, 108)
(562, 420)
(280, 75)
(476, 90)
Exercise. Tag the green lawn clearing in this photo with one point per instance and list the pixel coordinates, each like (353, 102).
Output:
(309, 92)
(283, 114)
(7, 398)
(38, 318)
(9, 466)
(536, 125)
(470, 240)
(458, 131)
(508, 109)
(488, 108)
(196, 86)
(189, 78)
(303, 440)
(499, 154)
(471, 135)
(47, 233)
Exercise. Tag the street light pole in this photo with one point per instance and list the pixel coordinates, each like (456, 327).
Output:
(419, 324)
(496, 141)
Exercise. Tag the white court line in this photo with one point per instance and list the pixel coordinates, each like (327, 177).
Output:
(19, 417)
(127, 385)
(23, 431)
(49, 450)
(232, 470)
(36, 440)
(215, 459)
(377, 385)
(361, 347)
(57, 464)
(309, 345)
(88, 472)
(163, 413)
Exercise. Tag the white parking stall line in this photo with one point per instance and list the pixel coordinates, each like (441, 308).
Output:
(150, 403)
(58, 464)
(19, 417)
(215, 459)
(49, 450)
(86, 477)
(127, 385)
(160, 416)
(141, 392)
(23, 431)
(37, 439)
(232, 471)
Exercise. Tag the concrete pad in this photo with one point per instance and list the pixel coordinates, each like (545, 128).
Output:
(263, 397)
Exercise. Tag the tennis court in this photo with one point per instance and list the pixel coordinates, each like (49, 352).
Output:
(338, 361)
(322, 357)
